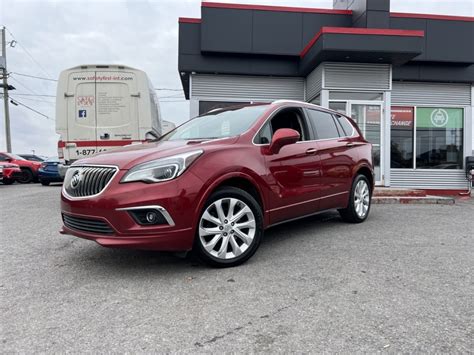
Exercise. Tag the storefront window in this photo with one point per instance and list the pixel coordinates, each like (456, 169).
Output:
(439, 142)
(401, 140)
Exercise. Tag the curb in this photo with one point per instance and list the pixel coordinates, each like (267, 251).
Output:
(427, 200)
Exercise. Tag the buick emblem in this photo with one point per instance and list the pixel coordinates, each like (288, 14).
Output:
(76, 179)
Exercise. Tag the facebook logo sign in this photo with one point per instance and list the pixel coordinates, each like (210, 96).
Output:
(82, 113)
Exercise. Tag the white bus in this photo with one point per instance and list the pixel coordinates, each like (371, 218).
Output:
(99, 107)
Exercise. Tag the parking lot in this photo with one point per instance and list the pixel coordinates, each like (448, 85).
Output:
(401, 282)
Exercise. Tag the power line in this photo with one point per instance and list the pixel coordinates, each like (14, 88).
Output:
(33, 76)
(30, 99)
(14, 101)
(27, 88)
(39, 95)
(28, 53)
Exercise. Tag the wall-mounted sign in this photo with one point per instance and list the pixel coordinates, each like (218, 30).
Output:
(439, 117)
(402, 117)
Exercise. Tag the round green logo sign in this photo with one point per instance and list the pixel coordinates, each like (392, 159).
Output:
(439, 117)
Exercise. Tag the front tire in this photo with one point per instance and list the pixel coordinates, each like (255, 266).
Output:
(7, 181)
(230, 228)
(45, 182)
(360, 200)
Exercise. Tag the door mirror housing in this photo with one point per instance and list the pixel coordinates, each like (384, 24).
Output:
(282, 137)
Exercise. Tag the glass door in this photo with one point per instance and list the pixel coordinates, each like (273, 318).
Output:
(368, 116)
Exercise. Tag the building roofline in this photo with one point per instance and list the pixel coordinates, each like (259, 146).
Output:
(189, 20)
(360, 31)
(221, 5)
(431, 16)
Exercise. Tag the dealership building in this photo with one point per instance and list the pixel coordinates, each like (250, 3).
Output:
(406, 79)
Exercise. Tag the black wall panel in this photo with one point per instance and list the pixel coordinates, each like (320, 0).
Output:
(277, 32)
(226, 30)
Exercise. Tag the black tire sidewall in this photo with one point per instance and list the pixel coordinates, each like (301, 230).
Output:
(229, 192)
(7, 181)
(26, 176)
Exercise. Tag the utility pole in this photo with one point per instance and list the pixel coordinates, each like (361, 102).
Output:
(5, 92)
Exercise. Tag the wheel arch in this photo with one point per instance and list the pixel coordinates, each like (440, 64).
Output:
(365, 170)
(239, 180)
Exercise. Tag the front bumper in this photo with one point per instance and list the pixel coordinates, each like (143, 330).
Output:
(179, 198)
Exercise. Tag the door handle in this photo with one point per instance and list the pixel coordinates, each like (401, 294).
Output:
(311, 151)
(350, 144)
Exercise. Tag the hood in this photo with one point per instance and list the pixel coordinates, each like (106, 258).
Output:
(128, 156)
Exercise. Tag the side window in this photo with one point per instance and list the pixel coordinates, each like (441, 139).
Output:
(324, 124)
(287, 118)
(290, 118)
(265, 135)
(3, 157)
(346, 125)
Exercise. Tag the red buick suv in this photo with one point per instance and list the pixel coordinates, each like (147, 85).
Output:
(215, 183)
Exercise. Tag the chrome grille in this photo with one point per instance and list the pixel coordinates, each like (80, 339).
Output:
(87, 224)
(85, 181)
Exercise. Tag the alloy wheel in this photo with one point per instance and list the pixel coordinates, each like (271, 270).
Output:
(227, 228)
(361, 198)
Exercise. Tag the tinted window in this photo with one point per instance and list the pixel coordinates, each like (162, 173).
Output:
(346, 125)
(286, 118)
(265, 135)
(324, 124)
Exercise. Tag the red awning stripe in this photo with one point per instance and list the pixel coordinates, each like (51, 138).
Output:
(432, 17)
(360, 31)
(189, 20)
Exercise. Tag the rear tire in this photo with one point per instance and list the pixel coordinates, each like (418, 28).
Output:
(26, 176)
(45, 182)
(360, 200)
(229, 229)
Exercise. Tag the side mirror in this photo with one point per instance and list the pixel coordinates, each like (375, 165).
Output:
(282, 137)
(8, 159)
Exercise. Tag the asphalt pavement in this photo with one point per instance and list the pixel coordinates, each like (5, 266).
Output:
(400, 282)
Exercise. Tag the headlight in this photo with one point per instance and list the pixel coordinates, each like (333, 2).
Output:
(163, 169)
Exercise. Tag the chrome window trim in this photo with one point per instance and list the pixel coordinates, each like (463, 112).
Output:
(158, 208)
(69, 197)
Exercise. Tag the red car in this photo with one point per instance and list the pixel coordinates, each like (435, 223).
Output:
(9, 172)
(215, 183)
(29, 169)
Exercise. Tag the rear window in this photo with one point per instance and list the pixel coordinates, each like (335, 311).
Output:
(324, 124)
(346, 125)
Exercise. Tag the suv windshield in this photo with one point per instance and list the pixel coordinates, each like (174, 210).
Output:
(223, 123)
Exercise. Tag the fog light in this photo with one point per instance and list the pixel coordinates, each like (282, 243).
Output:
(148, 217)
(151, 217)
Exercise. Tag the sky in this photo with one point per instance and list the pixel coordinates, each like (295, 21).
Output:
(53, 35)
